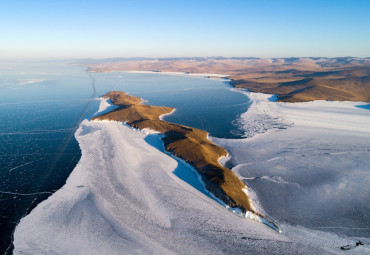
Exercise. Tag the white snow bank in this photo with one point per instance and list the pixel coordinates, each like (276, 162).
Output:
(313, 170)
(105, 107)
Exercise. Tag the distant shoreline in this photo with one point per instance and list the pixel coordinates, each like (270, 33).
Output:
(292, 79)
(201, 75)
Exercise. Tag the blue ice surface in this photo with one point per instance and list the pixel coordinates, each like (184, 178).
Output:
(183, 170)
(273, 98)
(364, 106)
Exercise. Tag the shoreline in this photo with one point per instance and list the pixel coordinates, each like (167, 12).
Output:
(178, 139)
(220, 77)
(249, 214)
(223, 77)
(300, 80)
(164, 72)
(227, 78)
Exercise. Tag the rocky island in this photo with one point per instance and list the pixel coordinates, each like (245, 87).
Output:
(190, 144)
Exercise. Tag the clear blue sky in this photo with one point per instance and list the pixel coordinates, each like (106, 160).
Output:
(131, 28)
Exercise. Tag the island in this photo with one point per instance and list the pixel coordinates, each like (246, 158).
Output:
(187, 143)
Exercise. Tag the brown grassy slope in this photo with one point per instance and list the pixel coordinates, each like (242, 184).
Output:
(292, 79)
(350, 84)
(188, 143)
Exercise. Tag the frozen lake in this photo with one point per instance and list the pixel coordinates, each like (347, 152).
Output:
(42, 105)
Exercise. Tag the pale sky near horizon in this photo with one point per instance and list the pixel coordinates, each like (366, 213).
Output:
(143, 28)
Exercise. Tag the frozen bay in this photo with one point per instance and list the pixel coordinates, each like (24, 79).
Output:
(43, 103)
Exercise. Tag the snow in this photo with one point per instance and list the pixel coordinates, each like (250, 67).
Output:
(166, 114)
(126, 196)
(262, 115)
(105, 107)
(307, 166)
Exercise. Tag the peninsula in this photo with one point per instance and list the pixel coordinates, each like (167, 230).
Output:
(190, 144)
